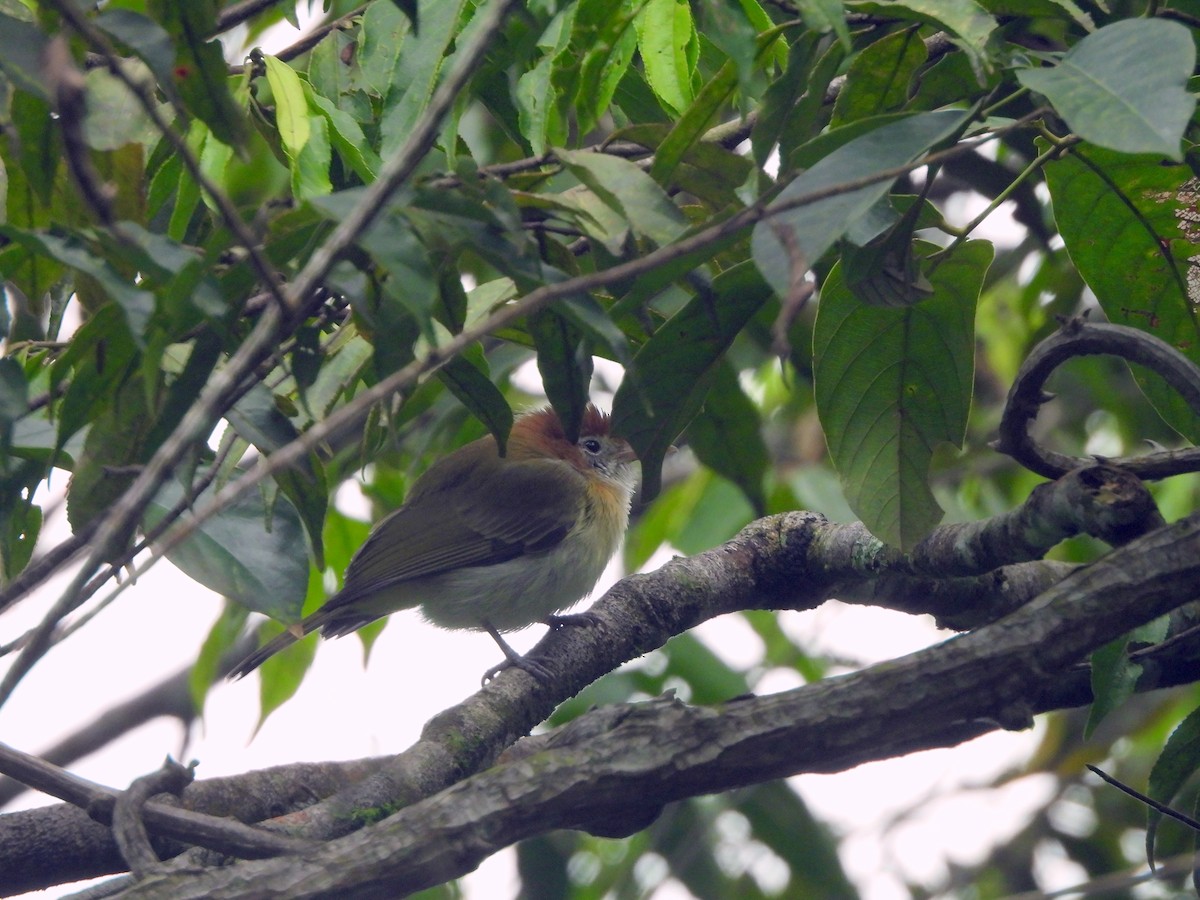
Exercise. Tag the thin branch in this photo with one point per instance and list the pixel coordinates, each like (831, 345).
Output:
(310, 40)
(1078, 337)
(1001, 197)
(171, 697)
(237, 13)
(224, 835)
(1148, 801)
(129, 828)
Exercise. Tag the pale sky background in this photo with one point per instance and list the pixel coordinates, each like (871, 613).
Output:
(416, 670)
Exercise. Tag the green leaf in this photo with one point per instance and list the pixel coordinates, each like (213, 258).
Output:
(409, 8)
(115, 117)
(417, 71)
(735, 29)
(672, 372)
(280, 676)
(791, 111)
(827, 15)
(467, 378)
(1175, 766)
(257, 418)
(564, 360)
(347, 137)
(291, 106)
(811, 229)
(200, 72)
(115, 445)
(693, 123)
(144, 37)
(221, 637)
(412, 286)
(539, 115)
(1126, 222)
(879, 77)
(695, 515)
(136, 304)
(14, 396)
(667, 40)
(246, 552)
(310, 171)
(1115, 675)
(891, 384)
(99, 359)
(20, 525)
(967, 21)
(1103, 84)
(40, 148)
(602, 45)
(628, 191)
(726, 436)
(22, 46)
(382, 34)
(593, 320)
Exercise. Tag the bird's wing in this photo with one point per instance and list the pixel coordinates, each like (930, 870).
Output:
(491, 516)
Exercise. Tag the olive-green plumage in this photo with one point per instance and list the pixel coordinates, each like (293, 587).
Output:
(489, 542)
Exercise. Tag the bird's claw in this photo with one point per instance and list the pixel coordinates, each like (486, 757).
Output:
(525, 663)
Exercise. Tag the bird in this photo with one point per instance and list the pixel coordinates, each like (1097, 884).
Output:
(490, 542)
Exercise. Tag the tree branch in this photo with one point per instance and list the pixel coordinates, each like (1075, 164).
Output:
(605, 770)
(1078, 337)
(792, 561)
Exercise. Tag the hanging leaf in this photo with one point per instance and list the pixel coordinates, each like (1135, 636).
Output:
(891, 384)
(672, 372)
(246, 552)
(800, 236)
(1101, 85)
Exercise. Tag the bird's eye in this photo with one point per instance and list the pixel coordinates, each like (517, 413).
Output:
(591, 445)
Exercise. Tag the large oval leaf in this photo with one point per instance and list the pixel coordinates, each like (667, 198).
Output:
(1127, 224)
(673, 371)
(245, 552)
(891, 384)
(802, 235)
(1103, 86)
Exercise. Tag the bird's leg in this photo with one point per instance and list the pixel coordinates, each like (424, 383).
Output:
(512, 658)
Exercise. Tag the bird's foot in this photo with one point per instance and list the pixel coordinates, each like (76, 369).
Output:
(525, 663)
(513, 659)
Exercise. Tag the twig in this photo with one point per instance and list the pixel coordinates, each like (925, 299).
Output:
(223, 835)
(237, 13)
(170, 697)
(129, 829)
(1078, 337)
(1149, 801)
(310, 40)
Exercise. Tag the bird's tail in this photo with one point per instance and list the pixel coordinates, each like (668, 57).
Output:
(279, 642)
